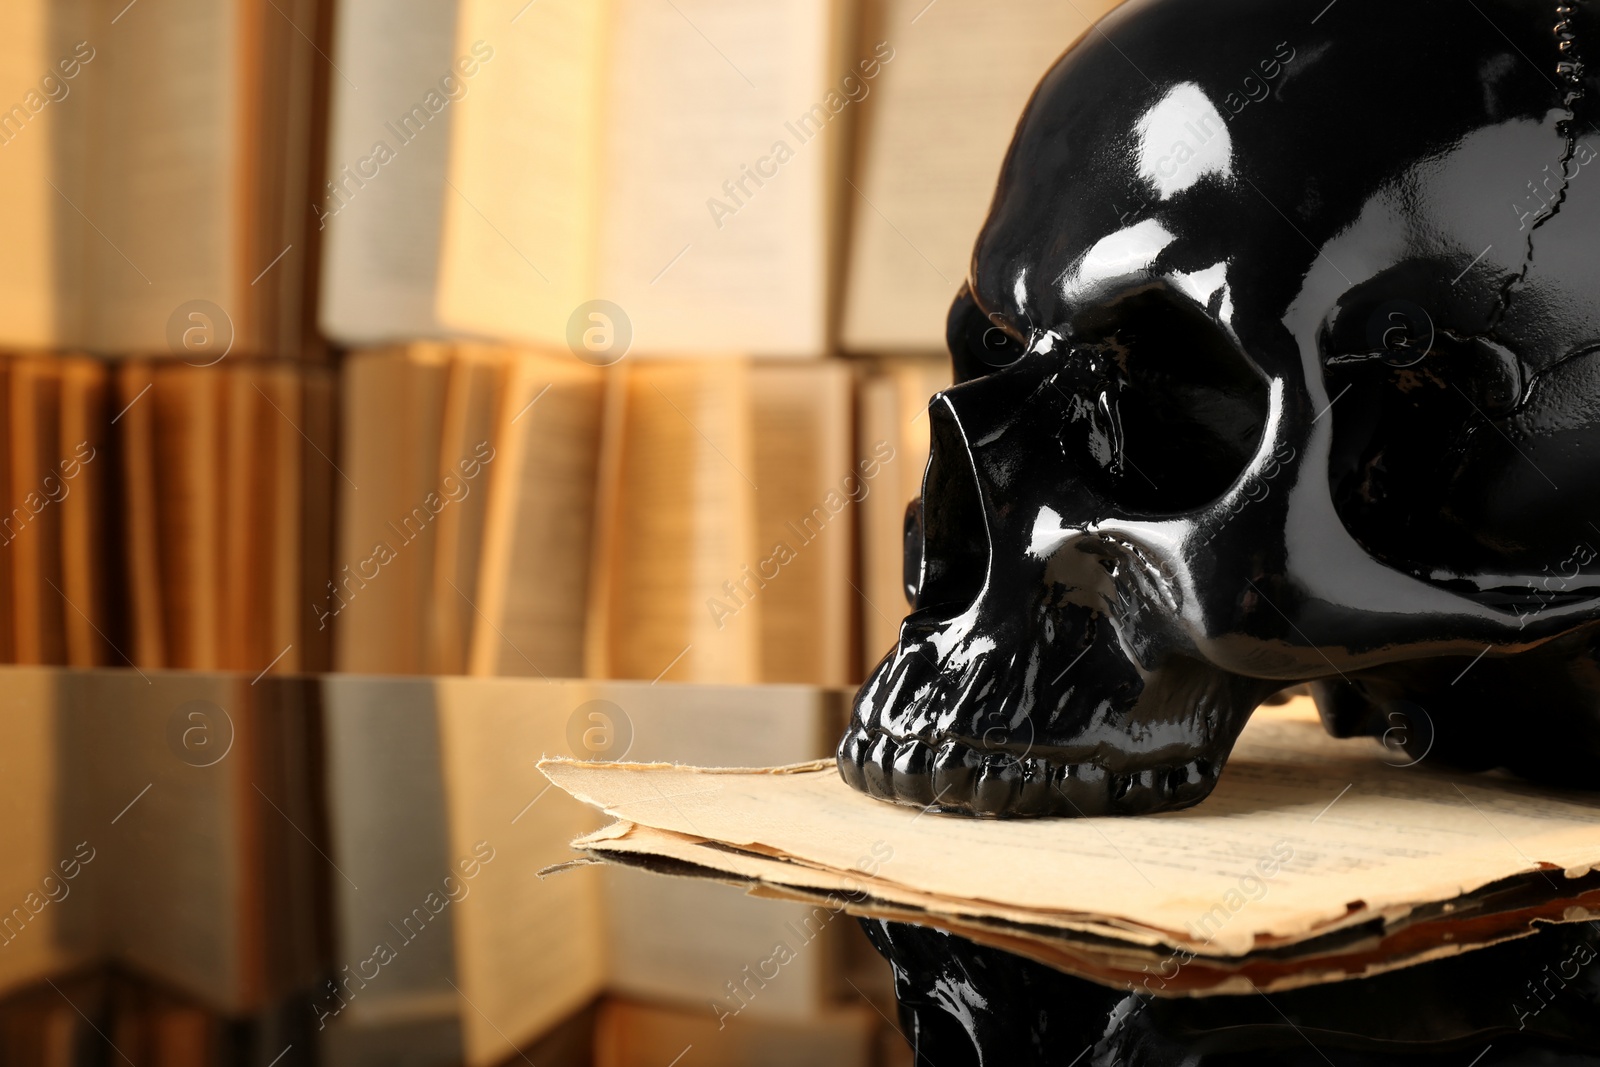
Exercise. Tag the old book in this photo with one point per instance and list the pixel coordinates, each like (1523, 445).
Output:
(474, 383)
(379, 211)
(532, 584)
(127, 120)
(892, 446)
(807, 499)
(207, 488)
(727, 507)
(425, 775)
(388, 844)
(380, 596)
(225, 763)
(55, 529)
(682, 941)
(273, 638)
(528, 951)
(441, 915)
(135, 423)
(677, 513)
(36, 853)
(242, 544)
(520, 188)
(47, 60)
(503, 165)
(8, 526)
(83, 468)
(937, 127)
(477, 509)
(535, 515)
(1314, 860)
(169, 851)
(632, 1034)
(701, 255)
(321, 480)
(190, 452)
(32, 528)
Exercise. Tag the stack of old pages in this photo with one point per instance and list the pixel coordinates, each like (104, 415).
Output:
(1315, 860)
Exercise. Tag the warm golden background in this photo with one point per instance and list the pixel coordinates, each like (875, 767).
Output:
(395, 391)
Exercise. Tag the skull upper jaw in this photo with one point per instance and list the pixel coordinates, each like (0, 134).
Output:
(1043, 672)
(966, 718)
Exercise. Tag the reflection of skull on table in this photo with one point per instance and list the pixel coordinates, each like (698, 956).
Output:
(1279, 362)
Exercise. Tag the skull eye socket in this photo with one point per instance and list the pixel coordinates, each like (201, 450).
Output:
(1172, 409)
(1451, 464)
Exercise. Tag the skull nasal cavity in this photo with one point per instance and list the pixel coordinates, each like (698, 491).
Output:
(1170, 409)
(955, 534)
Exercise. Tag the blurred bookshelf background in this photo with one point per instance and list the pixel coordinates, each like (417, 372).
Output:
(395, 392)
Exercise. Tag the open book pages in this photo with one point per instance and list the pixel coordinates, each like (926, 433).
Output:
(439, 824)
(159, 160)
(1314, 860)
(938, 124)
(149, 826)
(521, 512)
(504, 164)
(146, 497)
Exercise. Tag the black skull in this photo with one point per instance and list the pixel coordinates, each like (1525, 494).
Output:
(1279, 363)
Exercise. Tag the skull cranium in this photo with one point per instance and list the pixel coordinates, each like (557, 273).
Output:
(1279, 363)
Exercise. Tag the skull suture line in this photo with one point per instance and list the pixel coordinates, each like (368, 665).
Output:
(1323, 405)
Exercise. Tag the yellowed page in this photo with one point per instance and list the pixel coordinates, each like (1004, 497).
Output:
(806, 514)
(382, 207)
(682, 526)
(774, 873)
(164, 196)
(700, 90)
(389, 499)
(83, 431)
(167, 810)
(528, 951)
(517, 246)
(474, 382)
(938, 125)
(1112, 953)
(187, 405)
(33, 522)
(283, 413)
(28, 304)
(33, 773)
(680, 941)
(147, 610)
(500, 487)
(533, 587)
(41, 141)
(315, 437)
(242, 539)
(388, 841)
(602, 602)
(1304, 833)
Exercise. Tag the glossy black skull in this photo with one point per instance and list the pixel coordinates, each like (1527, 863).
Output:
(1279, 362)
